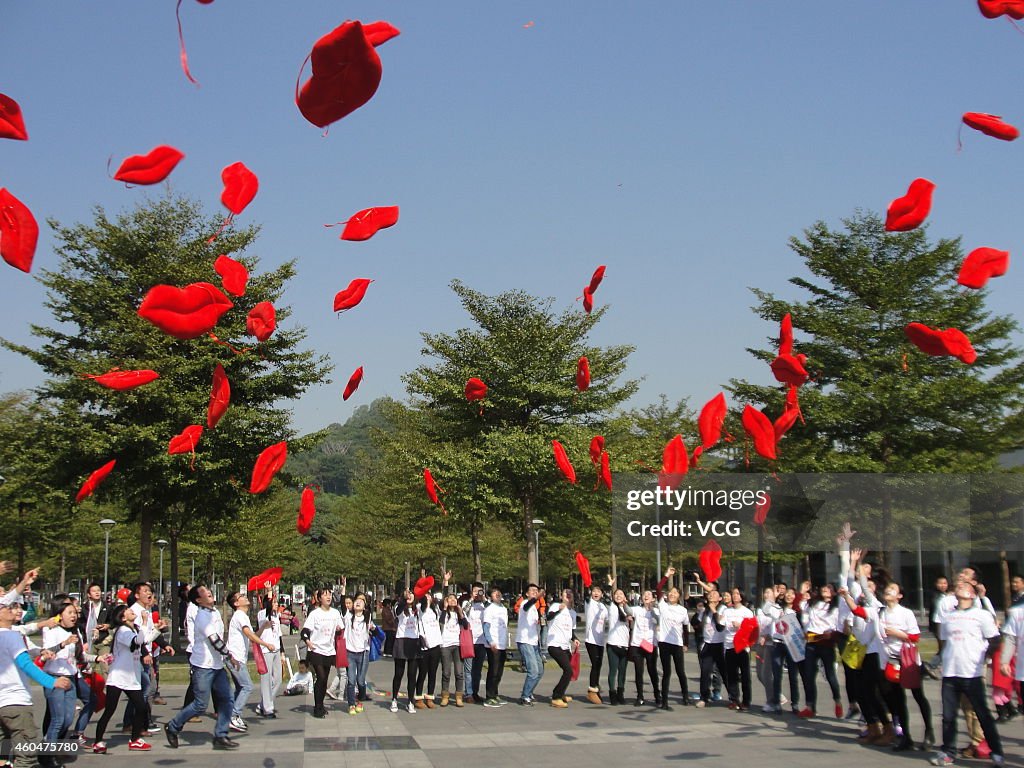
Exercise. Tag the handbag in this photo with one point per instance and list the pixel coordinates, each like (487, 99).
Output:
(574, 662)
(340, 651)
(892, 670)
(466, 649)
(646, 646)
(910, 676)
(376, 643)
(261, 661)
(854, 653)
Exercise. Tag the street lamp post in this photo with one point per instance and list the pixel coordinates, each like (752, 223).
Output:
(536, 544)
(106, 524)
(160, 600)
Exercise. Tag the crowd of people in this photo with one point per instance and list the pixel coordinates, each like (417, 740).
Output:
(802, 631)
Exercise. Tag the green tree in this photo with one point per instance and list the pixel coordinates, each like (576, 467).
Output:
(875, 403)
(496, 458)
(105, 269)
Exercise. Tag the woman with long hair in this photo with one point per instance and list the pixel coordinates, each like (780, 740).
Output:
(767, 615)
(406, 649)
(358, 628)
(453, 621)
(562, 644)
(430, 658)
(124, 676)
(673, 638)
(67, 644)
(820, 618)
(620, 622)
(322, 625)
(643, 647)
(787, 624)
(269, 630)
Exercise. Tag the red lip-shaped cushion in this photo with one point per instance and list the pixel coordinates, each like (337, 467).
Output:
(910, 211)
(346, 74)
(981, 264)
(122, 380)
(937, 343)
(991, 125)
(261, 321)
(674, 463)
(992, 9)
(761, 431)
(220, 397)
(94, 480)
(268, 464)
(476, 389)
(583, 374)
(353, 383)
(352, 295)
(789, 370)
(12, 124)
(366, 223)
(151, 168)
(307, 511)
(19, 232)
(710, 560)
(562, 460)
(186, 441)
(711, 419)
(233, 274)
(185, 313)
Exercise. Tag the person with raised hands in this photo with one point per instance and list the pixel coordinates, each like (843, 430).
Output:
(620, 625)
(358, 628)
(673, 638)
(124, 676)
(269, 630)
(496, 637)
(820, 617)
(643, 647)
(240, 639)
(319, 631)
(596, 620)
(406, 649)
(528, 641)
(453, 621)
(710, 630)
(562, 644)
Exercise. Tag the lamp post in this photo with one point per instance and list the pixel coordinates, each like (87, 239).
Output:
(106, 524)
(160, 600)
(536, 544)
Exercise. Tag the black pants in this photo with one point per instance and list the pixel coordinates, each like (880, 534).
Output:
(429, 660)
(322, 666)
(617, 667)
(737, 676)
(389, 642)
(642, 658)
(865, 681)
(596, 656)
(671, 653)
(140, 718)
(495, 669)
(711, 656)
(563, 658)
(396, 682)
(477, 672)
(824, 652)
(974, 689)
(923, 705)
(896, 701)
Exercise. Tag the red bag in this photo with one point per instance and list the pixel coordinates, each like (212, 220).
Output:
(646, 646)
(466, 649)
(340, 651)
(98, 685)
(261, 662)
(910, 670)
(574, 662)
(892, 672)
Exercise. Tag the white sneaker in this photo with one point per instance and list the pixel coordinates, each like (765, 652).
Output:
(411, 709)
(783, 701)
(394, 705)
(770, 709)
(238, 724)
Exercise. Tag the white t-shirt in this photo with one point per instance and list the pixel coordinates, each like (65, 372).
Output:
(300, 681)
(64, 661)
(323, 626)
(561, 627)
(966, 635)
(732, 617)
(1014, 627)
(645, 626)
(711, 633)
(948, 604)
(407, 625)
(271, 632)
(357, 633)
(767, 615)
(596, 617)
(528, 630)
(618, 630)
(238, 644)
(496, 617)
(14, 684)
(899, 618)
(125, 670)
(672, 619)
(450, 629)
(430, 627)
(190, 625)
(820, 618)
(475, 616)
(208, 624)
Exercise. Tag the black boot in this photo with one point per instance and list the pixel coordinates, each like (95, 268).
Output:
(620, 694)
(905, 744)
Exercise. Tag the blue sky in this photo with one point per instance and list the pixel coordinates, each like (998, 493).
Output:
(681, 144)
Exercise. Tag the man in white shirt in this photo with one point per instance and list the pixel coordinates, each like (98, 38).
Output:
(240, 637)
(474, 667)
(528, 643)
(496, 637)
(970, 637)
(208, 674)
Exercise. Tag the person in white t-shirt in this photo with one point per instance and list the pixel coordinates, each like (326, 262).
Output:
(737, 663)
(453, 622)
(898, 626)
(473, 668)
(269, 629)
(240, 637)
(430, 647)
(528, 642)
(970, 637)
(322, 624)
(620, 625)
(358, 628)
(301, 683)
(673, 638)
(496, 637)
(562, 643)
(596, 619)
(124, 676)
(643, 647)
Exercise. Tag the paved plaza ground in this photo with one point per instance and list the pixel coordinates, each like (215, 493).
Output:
(516, 737)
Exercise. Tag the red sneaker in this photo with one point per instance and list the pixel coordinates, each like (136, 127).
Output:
(138, 745)
(806, 712)
(839, 711)
(99, 748)
(983, 750)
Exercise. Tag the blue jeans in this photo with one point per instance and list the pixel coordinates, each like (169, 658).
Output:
(243, 687)
(973, 688)
(88, 702)
(780, 657)
(530, 655)
(358, 664)
(205, 681)
(61, 706)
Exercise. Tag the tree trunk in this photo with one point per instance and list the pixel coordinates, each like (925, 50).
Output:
(146, 543)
